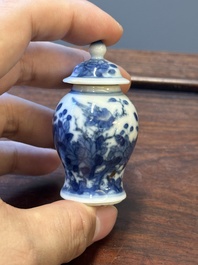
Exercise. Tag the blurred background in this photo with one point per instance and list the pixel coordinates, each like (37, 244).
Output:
(169, 25)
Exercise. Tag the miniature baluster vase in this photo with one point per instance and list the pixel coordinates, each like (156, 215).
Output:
(95, 129)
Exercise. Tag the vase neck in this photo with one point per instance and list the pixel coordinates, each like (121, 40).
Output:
(96, 89)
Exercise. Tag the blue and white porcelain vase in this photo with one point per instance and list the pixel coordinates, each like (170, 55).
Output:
(95, 130)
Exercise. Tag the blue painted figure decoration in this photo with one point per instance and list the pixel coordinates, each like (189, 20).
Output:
(95, 131)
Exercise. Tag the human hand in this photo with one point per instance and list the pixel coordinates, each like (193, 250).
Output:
(60, 231)
(51, 234)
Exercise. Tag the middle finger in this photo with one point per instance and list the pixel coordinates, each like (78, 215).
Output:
(43, 65)
(25, 121)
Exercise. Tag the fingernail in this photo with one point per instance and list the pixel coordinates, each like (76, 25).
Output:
(105, 220)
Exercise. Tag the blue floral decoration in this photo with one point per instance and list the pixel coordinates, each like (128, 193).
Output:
(93, 165)
(95, 68)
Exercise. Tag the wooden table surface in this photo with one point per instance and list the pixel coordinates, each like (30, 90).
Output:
(158, 222)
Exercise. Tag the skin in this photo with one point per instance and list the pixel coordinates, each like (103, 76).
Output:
(60, 231)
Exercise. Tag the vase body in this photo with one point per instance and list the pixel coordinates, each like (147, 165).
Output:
(95, 130)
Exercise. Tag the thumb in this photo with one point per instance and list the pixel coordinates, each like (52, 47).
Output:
(63, 230)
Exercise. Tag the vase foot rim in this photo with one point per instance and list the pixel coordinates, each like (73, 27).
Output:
(94, 200)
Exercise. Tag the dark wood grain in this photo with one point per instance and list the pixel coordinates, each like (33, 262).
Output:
(158, 222)
(159, 70)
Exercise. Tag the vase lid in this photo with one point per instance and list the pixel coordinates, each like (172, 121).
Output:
(97, 70)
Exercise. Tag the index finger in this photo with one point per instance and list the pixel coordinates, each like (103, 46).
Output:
(76, 21)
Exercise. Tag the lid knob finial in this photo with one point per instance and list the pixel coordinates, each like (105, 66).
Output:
(97, 50)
